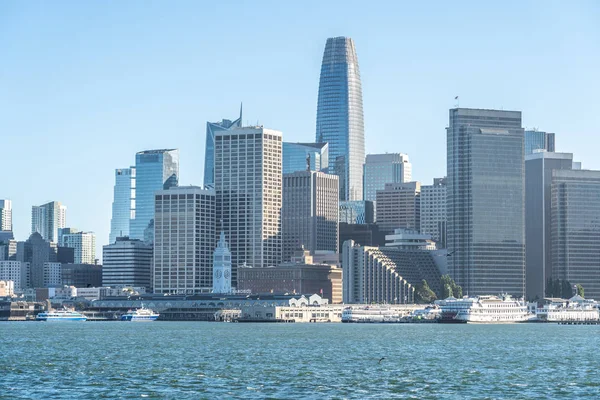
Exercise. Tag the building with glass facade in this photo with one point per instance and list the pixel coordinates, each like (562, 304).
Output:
(576, 228)
(209, 151)
(47, 219)
(357, 212)
(340, 115)
(433, 211)
(297, 155)
(486, 201)
(154, 170)
(123, 206)
(538, 140)
(380, 169)
(5, 215)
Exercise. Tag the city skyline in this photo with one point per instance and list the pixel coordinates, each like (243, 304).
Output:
(418, 90)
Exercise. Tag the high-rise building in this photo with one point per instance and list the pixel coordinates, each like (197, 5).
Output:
(37, 252)
(398, 206)
(47, 219)
(576, 228)
(309, 215)
(16, 271)
(6, 215)
(127, 262)
(184, 240)
(486, 201)
(123, 206)
(538, 218)
(222, 267)
(248, 188)
(209, 152)
(340, 115)
(154, 170)
(538, 140)
(433, 211)
(357, 212)
(303, 156)
(82, 243)
(380, 169)
(81, 275)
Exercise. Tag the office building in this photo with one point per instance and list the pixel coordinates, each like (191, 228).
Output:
(8, 250)
(81, 275)
(340, 115)
(576, 228)
(123, 206)
(82, 243)
(433, 217)
(538, 218)
(184, 240)
(15, 271)
(52, 274)
(37, 252)
(398, 206)
(248, 188)
(309, 214)
(6, 215)
(222, 267)
(409, 239)
(127, 262)
(486, 201)
(363, 234)
(536, 141)
(380, 169)
(154, 170)
(209, 152)
(303, 156)
(47, 219)
(357, 212)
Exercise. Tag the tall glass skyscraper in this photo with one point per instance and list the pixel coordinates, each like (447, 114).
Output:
(380, 169)
(486, 201)
(47, 219)
(538, 140)
(123, 207)
(209, 153)
(155, 170)
(295, 157)
(340, 115)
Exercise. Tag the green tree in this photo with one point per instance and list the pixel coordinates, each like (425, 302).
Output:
(424, 294)
(580, 290)
(567, 290)
(449, 288)
(549, 287)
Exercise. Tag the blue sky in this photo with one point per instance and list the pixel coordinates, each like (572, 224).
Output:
(85, 85)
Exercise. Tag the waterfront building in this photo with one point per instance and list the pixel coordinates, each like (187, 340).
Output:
(123, 206)
(222, 267)
(81, 275)
(576, 228)
(248, 188)
(536, 141)
(127, 262)
(82, 243)
(357, 212)
(47, 219)
(433, 216)
(398, 206)
(209, 151)
(309, 214)
(486, 201)
(408, 239)
(15, 271)
(154, 170)
(37, 252)
(184, 239)
(6, 215)
(538, 218)
(297, 155)
(380, 169)
(340, 115)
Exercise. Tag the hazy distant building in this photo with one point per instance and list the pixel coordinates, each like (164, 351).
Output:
(486, 201)
(127, 262)
(433, 211)
(309, 215)
(398, 206)
(47, 219)
(154, 170)
(296, 156)
(248, 189)
(209, 151)
(340, 115)
(36, 251)
(380, 169)
(538, 140)
(82, 243)
(6, 215)
(123, 206)
(357, 212)
(184, 240)
(222, 267)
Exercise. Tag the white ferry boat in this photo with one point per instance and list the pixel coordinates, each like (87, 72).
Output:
(60, 315)
(370, 314)
(140, 315)
(484, 309)
(576, 309)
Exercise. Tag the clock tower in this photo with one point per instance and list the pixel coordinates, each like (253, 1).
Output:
(222, 267)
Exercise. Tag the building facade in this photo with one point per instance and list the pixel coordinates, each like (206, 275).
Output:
(36, 251)
(123, 206)
(209, 150)
(538, 140)
(398, 206)
(47, 219)
(6, 215)
(486, 201)
(303, 156)
(222, 267)
(82, 243)
(380, 169)
(127, 262)
(184, 240)
(309, 214)
(154, 170)
(248, 188)
(358, 212)
(433, 211)
(17, 272)
(340, 115)
(81, 275)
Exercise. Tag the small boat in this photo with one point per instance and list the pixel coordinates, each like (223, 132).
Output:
(139, 315)
(60, 315)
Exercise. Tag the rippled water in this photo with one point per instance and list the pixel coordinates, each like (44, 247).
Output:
(188, 360)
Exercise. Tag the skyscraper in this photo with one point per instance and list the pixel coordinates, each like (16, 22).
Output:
(538, 140)
(340, 115)
(123, 207)
(398, 206)
(433, 211)
(296, 156)
(155, 170)
(485, 203)
(82, 243)
(127, 262)
(47, 219)
(5, 215)
(40, 254)
(248, 188)
(209, 152)
(380, 169)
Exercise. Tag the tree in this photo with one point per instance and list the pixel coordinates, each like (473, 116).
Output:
(424, 294)
(449, 288)
(567, 290)
(580, 290)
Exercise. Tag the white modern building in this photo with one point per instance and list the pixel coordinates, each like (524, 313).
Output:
(433, 211)
(409, 240)
(5, 215)
(380, 169)
(47, 219)
(82, 243)
(222, 267)
(123, 206)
